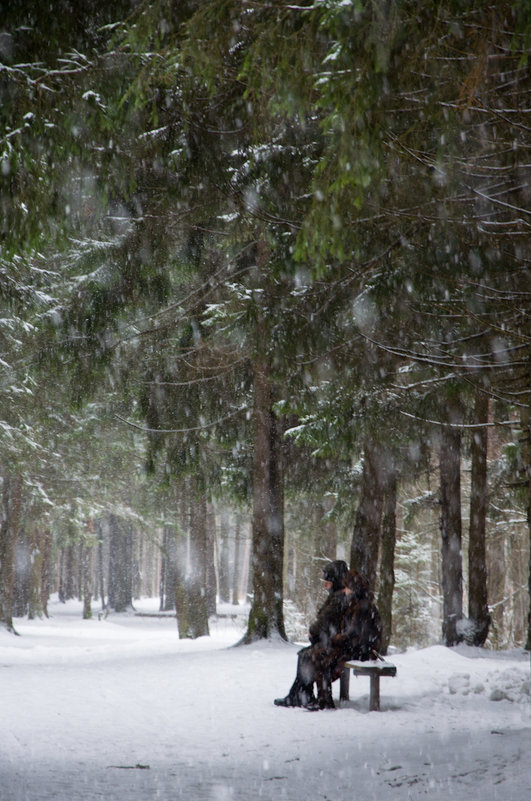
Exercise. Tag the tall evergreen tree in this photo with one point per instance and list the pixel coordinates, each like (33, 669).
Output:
(240, 168)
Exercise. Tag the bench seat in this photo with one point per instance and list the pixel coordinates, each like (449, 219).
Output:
(372, 668)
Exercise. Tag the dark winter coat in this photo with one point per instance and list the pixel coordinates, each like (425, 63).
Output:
(359, 638)
(348, 624)
(329, 621)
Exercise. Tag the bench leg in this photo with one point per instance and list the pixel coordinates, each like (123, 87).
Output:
(374, 702)
(344, 685)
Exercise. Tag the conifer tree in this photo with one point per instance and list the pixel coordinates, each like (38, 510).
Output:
(242, 167)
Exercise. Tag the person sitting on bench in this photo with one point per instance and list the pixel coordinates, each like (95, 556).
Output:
(359, 638)
(329, 620)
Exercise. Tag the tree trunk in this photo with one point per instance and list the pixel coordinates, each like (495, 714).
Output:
(387, 571)
(266, 615)
(319, 554)
(9, 525)
(101, 571)
(181, 596)
(327, 533)
(496, 573)
(236, 569)
(86, 571)
(210, 560)
(452, 570)
(22, 573)
(168, 569)
(477, 629)
(136, 563)
(120, 566)
(182, 560)
(223, 559)
(163, 571)
(67, 578)
(35, 576)
(46, 569)
(366, 535)
(196, 579)
(87, 582)
(525, 419)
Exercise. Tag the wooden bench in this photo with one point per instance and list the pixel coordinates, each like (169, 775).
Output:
(374, 669)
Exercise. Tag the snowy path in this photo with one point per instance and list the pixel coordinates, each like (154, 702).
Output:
(120, 709)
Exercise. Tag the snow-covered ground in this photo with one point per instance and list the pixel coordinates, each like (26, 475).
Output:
(120, 709)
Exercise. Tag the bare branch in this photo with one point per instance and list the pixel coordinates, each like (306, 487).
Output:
(181, 430)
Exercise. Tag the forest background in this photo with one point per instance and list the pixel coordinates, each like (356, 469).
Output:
(265, 287)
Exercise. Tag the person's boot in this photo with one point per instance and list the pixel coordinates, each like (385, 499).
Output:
(327, 702)
(307, 697)
(321, 703)
(324, 698)
(299, 695)
(286, 701)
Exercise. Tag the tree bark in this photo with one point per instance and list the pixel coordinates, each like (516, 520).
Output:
(387, 561)
(236, 568)
(210, 557)
(168, 569)
(22, 573)
(497, 572)
(223, 559)
(86, 570)
(46, 569)
(9, 525)
(452, 570)
(181, 596)
(327, 532)
(196, 601)
(367, 525)
(266, 616)
(120, 588)
(525, 419)
(101, 572)
(35, 575)
(477, 629)
(182, 561)
(87, 582)
(66, 574)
